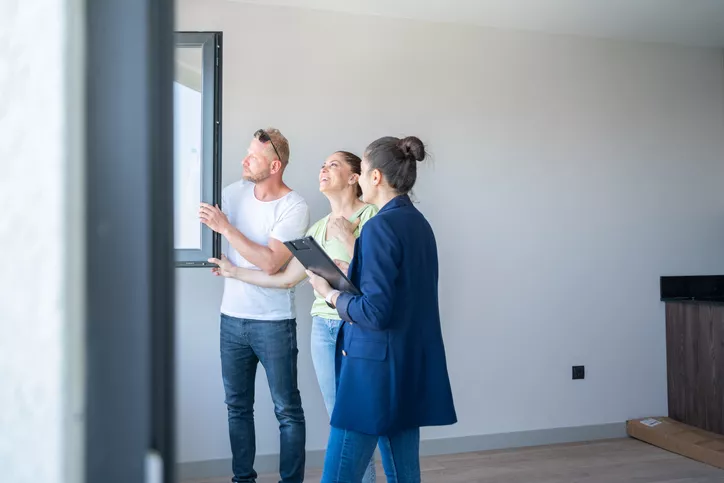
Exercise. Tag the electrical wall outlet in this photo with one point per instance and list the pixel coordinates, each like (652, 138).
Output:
(579, 372)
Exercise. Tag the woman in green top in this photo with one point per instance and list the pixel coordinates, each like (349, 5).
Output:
(336, 233)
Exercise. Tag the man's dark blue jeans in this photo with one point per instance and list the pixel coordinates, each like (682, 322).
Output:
(245, 343)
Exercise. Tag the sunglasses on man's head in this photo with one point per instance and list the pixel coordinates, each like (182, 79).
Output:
(264, 137)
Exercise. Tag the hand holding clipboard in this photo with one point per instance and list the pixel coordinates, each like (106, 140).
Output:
(316, 260)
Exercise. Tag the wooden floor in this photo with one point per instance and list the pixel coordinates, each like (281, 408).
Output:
(611, 461)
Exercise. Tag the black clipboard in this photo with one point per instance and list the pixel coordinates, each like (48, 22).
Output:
(316, 260)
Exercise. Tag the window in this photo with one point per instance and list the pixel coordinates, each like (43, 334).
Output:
(197, 144)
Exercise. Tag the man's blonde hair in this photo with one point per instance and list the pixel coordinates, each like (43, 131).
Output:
(280, 143)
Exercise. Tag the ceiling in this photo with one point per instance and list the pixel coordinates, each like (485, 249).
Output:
(687, 22)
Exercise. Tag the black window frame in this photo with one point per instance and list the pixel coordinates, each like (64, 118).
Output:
(211, 44)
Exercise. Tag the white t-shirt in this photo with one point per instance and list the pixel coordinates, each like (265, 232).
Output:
(284, 219)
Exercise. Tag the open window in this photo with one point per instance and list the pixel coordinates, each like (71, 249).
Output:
(197, 144)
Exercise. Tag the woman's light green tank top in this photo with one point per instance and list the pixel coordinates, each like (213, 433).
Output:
(336, 250)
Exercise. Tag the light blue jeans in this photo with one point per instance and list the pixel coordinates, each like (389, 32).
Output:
(348, 453)
(324, 345)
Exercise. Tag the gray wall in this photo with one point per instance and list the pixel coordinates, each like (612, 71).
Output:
(567, 175)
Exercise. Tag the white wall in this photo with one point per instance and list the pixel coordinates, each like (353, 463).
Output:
(568, 174)
(40, 239)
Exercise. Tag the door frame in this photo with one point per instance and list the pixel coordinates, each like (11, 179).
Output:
(129, 341)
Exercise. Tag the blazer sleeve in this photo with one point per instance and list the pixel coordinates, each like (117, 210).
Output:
(381, 255)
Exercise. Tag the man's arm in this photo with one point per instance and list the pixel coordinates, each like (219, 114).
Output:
(275, 255)
(270, 259)
(291, 276)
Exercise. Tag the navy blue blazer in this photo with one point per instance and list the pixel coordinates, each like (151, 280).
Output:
(391, 367)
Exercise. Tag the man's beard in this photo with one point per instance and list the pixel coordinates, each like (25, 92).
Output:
(257, 178)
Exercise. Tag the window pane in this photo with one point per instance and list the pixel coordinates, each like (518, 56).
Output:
(188, 117)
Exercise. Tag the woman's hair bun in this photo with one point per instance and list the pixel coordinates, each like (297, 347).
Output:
(412, 148)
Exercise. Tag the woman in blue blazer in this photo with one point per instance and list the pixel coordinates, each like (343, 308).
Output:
(391, 366)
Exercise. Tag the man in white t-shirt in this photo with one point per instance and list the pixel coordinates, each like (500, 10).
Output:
(258, 324)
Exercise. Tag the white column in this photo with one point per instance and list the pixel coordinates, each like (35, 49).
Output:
(41, 237)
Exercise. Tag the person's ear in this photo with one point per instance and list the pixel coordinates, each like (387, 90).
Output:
(376, 177)
(275, 167)
(354, 179)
